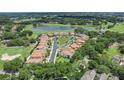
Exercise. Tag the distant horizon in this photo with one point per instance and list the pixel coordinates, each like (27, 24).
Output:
(67, 13)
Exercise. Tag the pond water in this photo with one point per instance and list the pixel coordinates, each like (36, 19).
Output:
(52, 28)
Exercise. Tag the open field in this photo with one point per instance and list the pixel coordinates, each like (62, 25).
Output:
(63, 40)
(119, 27)
(1, 65)
(112, 52)
(24, 51)
(61, 59)
(47, 24)
(35, 33)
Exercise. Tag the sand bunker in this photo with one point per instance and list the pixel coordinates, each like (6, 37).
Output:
(6, 57)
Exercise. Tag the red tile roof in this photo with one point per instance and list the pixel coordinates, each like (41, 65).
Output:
(38, 54)
(67, 51)
(75, 46)
(79, 40)
(42, 46)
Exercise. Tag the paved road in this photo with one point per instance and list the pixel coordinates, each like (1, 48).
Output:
(54, 50)
(2, 72)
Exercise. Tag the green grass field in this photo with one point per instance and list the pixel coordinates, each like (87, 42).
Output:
(62, 40)
(112, 51)
(24, 51)
(47, 24)
(118, 28)
(1, 64)
(35, 33)
(61, 59)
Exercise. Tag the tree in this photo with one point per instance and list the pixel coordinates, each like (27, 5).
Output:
(13, 66)
(14, 77)
(24, 74)
(121, 73)
(103, 69)
(5, 77)
(19, 42)
(28, 32)
(99, 47)
(121, 48)
(93, 64)
(8, 35)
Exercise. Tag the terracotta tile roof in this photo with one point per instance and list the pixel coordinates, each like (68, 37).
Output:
(43, 41)
(42, 46)
(79, 40)
(75, 46)
(65, 33)
(44, 37)
(67, 51)
(38, 54)
(71, 33)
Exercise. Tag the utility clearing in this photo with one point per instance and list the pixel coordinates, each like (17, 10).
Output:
(6, 57)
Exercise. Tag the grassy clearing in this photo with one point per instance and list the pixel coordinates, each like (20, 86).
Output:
(61, 59)
(24, 51)
(55, 24)
(35, 33)
(112, 51)
(1, 65)
(28, 27)
(63, 40)
(118, 28)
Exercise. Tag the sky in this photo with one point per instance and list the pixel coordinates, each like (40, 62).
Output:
(61, 5)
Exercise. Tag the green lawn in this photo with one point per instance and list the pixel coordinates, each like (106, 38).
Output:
(35, 33)
(24, 51)
(112, 51)
(119, 27)
(47, 24)
(1, 65)
(63, 40)
(61, 59)
(28, 27)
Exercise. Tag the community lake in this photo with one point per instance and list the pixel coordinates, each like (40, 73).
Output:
(53, 28)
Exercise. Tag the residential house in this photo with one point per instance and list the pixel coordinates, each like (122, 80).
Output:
(75, 46)
(67, 52)
(37, 56)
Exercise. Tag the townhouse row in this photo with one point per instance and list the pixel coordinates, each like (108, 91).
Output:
(70, 50)
(39, 54)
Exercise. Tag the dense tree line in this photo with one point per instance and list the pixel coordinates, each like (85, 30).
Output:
(121, 48)
(58, 71)
(91, 34)
(94, 50)
(13, 66)
(18, 38)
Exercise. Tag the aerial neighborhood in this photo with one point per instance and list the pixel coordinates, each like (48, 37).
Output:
(62, 46)
(41, 54)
